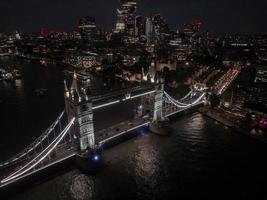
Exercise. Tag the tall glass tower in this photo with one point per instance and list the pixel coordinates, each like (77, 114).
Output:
(126, 16)
(87, 27)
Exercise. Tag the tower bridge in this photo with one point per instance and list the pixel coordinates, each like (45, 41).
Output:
(73, 132)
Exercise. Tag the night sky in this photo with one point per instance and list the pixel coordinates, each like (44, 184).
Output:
(217, 15)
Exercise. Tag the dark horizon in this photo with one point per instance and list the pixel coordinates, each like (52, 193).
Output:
(217, 16)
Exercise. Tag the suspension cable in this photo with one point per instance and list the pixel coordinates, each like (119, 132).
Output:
(22, 170)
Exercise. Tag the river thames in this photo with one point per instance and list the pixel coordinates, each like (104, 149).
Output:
(200, 159)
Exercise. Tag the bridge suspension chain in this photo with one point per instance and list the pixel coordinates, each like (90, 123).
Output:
(174, 100)
(40, 157)
(186, 96)
(180, 101)
(35, 144)
(179, 105)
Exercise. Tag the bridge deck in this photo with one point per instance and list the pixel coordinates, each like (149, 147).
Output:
(117, 130)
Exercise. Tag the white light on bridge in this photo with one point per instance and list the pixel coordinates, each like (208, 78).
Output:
(106, 104)
(128, 96)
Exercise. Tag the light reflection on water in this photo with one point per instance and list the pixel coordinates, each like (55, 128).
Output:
(81, 187)
(153, 167)
(19, 87)
(146, 165)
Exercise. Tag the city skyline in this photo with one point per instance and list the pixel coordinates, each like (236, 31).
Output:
(216, 16)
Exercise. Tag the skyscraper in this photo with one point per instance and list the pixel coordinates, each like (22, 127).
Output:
(87, 27)
(126, 17)
(149, 29)
(161, 28)
(191, 29)
(138, 26)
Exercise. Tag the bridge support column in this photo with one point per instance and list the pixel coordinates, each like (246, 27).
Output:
(85, 126)
(159, 124)
(158, 104)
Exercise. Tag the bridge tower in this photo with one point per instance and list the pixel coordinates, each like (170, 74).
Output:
(159, 124)
(158, 103)
(79, 106)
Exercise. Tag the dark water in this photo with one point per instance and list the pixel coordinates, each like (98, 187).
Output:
(24, 115)
(200, 159)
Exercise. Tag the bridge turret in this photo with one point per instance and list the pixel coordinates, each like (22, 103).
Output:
(79, 105)
(152, 72)
(74, 88)
(144, 76)
(66, 92)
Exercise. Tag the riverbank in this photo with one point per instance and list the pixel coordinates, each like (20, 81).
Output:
(234, 126)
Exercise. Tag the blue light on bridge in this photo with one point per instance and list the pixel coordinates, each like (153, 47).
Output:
(143, 130)
(95, 157)
(145, 127)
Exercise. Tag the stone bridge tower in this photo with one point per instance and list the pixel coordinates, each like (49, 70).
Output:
(158, 104)
(78, 105)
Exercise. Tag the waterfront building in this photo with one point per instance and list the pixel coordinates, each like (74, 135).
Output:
(255, 101)
(83, 61)
(261, 75)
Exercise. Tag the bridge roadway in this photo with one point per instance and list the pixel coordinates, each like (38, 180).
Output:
(224, 82)
(119, 129)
